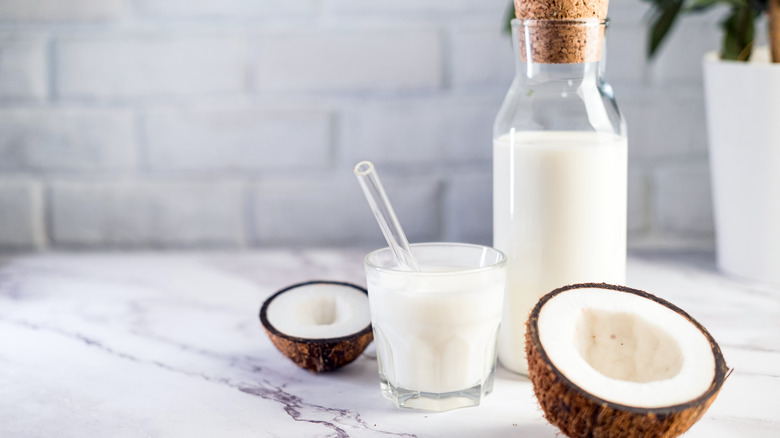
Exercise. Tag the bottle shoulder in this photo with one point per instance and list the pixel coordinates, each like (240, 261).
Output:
(559, 106)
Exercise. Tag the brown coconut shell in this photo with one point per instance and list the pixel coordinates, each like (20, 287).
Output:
(579, 414)
(317, 355)
(558, 32)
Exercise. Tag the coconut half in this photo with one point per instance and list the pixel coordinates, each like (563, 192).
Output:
(319, 325)
(610, 361)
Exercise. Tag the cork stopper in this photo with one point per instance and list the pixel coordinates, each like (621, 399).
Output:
(561, 31)
(560, 9)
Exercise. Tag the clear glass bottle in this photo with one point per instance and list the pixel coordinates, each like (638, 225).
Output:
(559, 172)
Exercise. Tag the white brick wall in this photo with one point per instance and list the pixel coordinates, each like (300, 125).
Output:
(21, 215)
(481, 58)
(148, 214)
(194, 123)
(469, 208)
(225, 139)
(680, 63)
(361, 59)
(59, 139)
(326, 211)
(684, 200)
(225, 8)
(414, 6)
(23, 67)
(419, 132)
(150, 65)
(638, 201)
(666, 123)
(59, 10)
(626, 61)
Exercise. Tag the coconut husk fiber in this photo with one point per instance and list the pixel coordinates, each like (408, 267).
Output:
(580, 414)
(570, 31)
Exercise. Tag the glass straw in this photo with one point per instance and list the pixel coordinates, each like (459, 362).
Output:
(385, 216)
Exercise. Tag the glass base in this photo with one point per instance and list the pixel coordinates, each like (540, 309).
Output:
(436, 402)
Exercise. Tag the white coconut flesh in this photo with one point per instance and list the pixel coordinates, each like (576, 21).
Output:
(319, 311)
(628, 349)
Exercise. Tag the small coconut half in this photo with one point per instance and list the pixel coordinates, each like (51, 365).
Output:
(611, 361)
(319, 325)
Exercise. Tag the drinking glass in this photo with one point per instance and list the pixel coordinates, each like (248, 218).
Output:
(436, 329)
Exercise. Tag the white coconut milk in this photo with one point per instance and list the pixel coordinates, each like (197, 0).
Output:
(559, 215)
(436, 333)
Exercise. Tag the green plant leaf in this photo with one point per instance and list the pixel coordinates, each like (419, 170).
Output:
(664, 14)
(739, 30)
(510, 15)
(702, 5)
(759, 5)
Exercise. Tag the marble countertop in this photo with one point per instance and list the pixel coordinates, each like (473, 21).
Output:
(167, 345)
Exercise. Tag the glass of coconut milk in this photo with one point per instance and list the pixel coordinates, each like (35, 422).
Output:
(436, 329)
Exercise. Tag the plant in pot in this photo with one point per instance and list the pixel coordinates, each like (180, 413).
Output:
(742, 92)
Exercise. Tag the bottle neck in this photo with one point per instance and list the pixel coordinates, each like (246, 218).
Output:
(574, 73)
(559, 50)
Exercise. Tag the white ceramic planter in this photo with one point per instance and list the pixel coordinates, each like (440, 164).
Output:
(743, 117)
